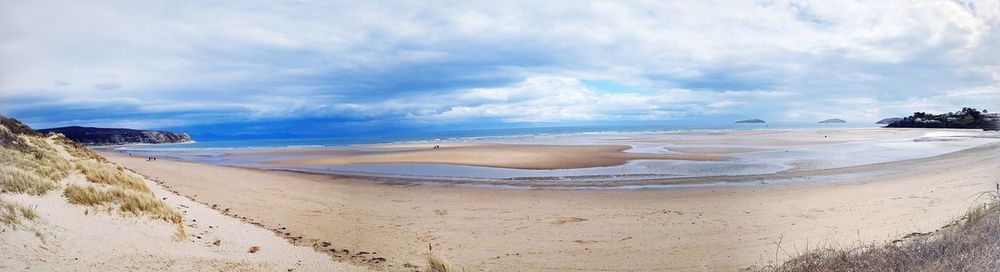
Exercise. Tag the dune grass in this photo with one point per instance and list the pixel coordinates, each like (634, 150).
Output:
(42, 161)
(436, 263)
(30, 168)
(110, 174)
(75, 149)
(32, 163)
(11, 213)
(15, 180)
(128, 201)
(971, 243)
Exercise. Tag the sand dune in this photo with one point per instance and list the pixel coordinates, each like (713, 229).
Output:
(63, 208)
(74, 238)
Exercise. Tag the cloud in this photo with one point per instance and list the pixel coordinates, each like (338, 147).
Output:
(59, 83)
(107, 86)
(391, 62)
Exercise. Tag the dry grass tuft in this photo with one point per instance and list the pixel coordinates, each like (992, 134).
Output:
(14, 126)
(106, 173)
(128, 201)
(76, 149)
(437, 264)
(40, 143)
(16, 180)
(22, 148)
(972, 243)
(11, 213)
(30, 164)
(43, 162)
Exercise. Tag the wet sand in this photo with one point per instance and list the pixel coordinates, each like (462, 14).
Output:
(694, 229)
(636, 159)
(492, 155)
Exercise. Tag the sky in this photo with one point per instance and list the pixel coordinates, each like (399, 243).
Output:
(315, 67)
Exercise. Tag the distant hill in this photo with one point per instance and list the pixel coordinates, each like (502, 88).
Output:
(751, 121)
(887, 121)
(966, 118)
(114, 136)
(833, 121)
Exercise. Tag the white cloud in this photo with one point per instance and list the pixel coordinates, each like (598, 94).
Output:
(514, 61)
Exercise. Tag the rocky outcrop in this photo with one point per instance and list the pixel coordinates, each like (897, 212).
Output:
(966, 118)
(887, 121)
(115, 136)
(751, 121)
(833, 121)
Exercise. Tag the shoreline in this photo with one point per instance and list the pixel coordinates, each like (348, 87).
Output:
(700, 228)
(603, 161)
(569, 184)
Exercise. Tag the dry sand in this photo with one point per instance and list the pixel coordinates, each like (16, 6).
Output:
(495, 155)
(76, 238)
(700, 228)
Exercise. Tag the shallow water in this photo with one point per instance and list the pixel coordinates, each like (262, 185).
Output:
(774, 151)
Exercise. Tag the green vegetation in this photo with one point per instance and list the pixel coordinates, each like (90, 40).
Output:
(966, 118)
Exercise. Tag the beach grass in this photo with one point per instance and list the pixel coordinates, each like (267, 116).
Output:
(32, 163)
(128, 201)
(15, 180)
(110, 174)
(11, 213)
(437, 263)
(971, 243)
(41, 159)
(75, 149)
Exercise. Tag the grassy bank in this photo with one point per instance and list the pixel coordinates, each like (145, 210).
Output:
(35, 164)
(971, 243)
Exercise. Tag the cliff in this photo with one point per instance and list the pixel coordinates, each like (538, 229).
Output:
(112, 136)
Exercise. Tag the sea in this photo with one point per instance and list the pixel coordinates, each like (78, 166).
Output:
(476, 134)
(766, 160)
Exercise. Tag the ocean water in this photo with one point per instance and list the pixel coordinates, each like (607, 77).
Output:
(482, 134)
(793, 147)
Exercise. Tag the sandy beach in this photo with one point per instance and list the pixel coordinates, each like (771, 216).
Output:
(80, 217)
(685, 228)
(507, 136)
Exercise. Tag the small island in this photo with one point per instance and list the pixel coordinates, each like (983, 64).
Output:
(833, 121)
(969, 118)
(889, 120)
(751, 121)
(118, 136)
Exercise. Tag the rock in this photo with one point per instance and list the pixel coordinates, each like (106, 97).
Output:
(751, 121)
(833, 121)
(887, 121)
